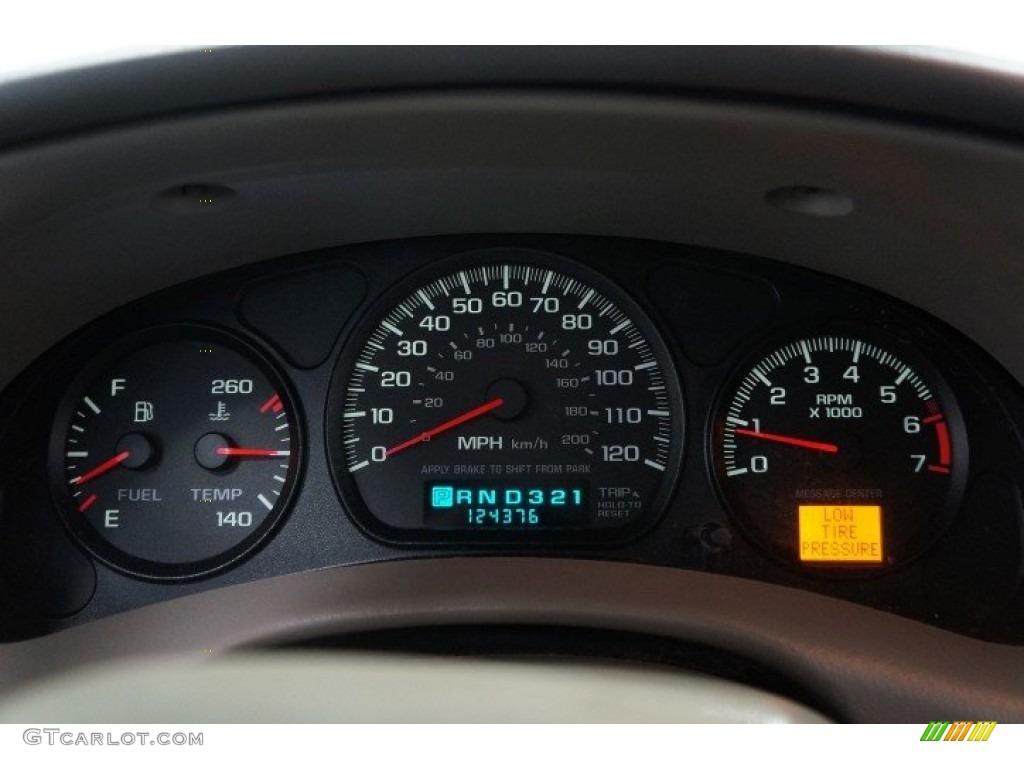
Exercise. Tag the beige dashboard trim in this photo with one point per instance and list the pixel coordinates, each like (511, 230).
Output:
(867, 665)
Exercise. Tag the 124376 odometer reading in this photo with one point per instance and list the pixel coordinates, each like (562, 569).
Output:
(507, 504)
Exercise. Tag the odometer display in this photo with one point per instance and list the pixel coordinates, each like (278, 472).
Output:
(506, 398)
(507, 504)
(840, 451)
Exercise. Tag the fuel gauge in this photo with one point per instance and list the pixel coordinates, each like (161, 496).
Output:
(176, 456)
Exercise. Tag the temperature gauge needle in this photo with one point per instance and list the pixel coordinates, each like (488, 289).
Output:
(450, 424)
(103, 468)
(798, 442)
(249, 453)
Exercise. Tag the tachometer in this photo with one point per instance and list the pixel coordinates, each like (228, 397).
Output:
(509, 396)
(840, 450)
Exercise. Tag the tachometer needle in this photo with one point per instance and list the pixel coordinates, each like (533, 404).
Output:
(812, 445)
(249, 453)
(106, 466)
(450, 424)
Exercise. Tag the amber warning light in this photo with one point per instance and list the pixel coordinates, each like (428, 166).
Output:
(840, 534)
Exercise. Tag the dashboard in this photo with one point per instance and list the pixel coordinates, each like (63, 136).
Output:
(726, 380)
(566, 397)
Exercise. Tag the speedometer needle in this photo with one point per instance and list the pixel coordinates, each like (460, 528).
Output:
(450, 424)
(824, 447)
(103, 468)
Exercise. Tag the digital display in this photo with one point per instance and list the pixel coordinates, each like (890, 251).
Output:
(504, 505)
(836, 533)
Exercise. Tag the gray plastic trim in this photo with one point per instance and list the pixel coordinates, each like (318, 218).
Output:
(868, 665)
(910, 82)
(935, 219)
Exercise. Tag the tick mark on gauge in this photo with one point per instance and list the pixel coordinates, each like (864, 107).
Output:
(392, 328)
(92, 406)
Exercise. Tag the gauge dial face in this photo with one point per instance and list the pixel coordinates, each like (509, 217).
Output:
(175, 457)
(839, 451)
(518, 399)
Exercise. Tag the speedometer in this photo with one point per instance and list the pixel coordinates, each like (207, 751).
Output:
(511, 395)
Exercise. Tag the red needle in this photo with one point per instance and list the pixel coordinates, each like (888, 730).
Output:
(826, 447)
(450, 424)
(106, 466)
(249, 452)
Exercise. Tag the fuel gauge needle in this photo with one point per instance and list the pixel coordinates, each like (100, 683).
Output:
(798, 442)
(102, 469)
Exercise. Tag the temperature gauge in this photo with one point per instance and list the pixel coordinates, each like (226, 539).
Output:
(176, 456)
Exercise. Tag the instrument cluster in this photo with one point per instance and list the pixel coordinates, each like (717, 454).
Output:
(557, 396)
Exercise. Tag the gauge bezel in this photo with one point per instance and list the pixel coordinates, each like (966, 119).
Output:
(888, 339)
(85, 535)
(404, 287)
